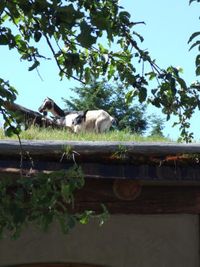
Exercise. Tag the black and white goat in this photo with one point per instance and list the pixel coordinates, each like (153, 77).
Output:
(60, 116)
(97, 121)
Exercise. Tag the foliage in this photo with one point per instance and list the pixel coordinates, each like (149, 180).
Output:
(74, 32)
(196, 43)
(8, 94)
(101, 95)
(71, 29)
(42, 199)
(174, 97)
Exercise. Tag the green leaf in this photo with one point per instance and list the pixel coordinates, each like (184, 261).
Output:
(37, 36)
(67, 222)
(2, 5)
(139, 36)
(124, 16)
(25, 6)
(198, 71)
(104, 216)
(194, 35)
(67, 14)
(151, 75)
(142, 94)
(195, 44)
(197, 61)
(87, 75)
(182, 83)
(193, 1)
(111, 71)
(66, 191)
(4, 40)
(129, 97)
(156, 102)
(85, 38)
(85, 217)
(102, 49)
(35, 65)
(10, 131)
(18, 39)
(100, 21)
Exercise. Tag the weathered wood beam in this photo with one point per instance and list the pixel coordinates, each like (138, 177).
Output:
(15, 107)
(149, 199)
(146, 173)
(138, 161)
(134, 197)
(102, 147)
(31, 117)
(131, 153)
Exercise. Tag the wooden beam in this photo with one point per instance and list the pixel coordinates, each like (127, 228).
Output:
(30, 117)
(117, 149)
(102, 166)
(150, 199)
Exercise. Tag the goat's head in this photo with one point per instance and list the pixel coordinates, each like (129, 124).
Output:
(80, 118)
(78, 122)
(47, 105)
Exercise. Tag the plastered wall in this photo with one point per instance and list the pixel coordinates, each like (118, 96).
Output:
(124, 241)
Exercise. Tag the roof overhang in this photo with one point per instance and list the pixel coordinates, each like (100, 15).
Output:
(128, 177)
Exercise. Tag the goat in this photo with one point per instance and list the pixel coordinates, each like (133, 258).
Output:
(97, 121)
(60, 116)
(49, 105)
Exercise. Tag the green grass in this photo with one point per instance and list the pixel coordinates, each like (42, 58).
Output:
(35, 133)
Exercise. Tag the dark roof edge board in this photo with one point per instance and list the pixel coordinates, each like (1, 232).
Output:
(149, 162)
(106, 147)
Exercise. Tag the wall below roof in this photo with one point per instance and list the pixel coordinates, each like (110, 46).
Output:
(123, 241)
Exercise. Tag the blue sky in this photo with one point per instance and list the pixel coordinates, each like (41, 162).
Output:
(169, 25)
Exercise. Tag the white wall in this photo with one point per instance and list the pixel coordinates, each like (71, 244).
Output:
(124, 241)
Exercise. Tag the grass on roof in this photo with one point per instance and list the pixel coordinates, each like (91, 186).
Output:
(35, 133)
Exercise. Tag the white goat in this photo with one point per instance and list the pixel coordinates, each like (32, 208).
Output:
(97, 121)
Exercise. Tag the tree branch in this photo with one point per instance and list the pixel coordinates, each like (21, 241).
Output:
(54, 54)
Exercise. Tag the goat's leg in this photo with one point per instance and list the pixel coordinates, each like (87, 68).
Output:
(97, 128)
(104, 125)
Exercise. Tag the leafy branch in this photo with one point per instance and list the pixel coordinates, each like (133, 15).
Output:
(42, 199)
(74, 32)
